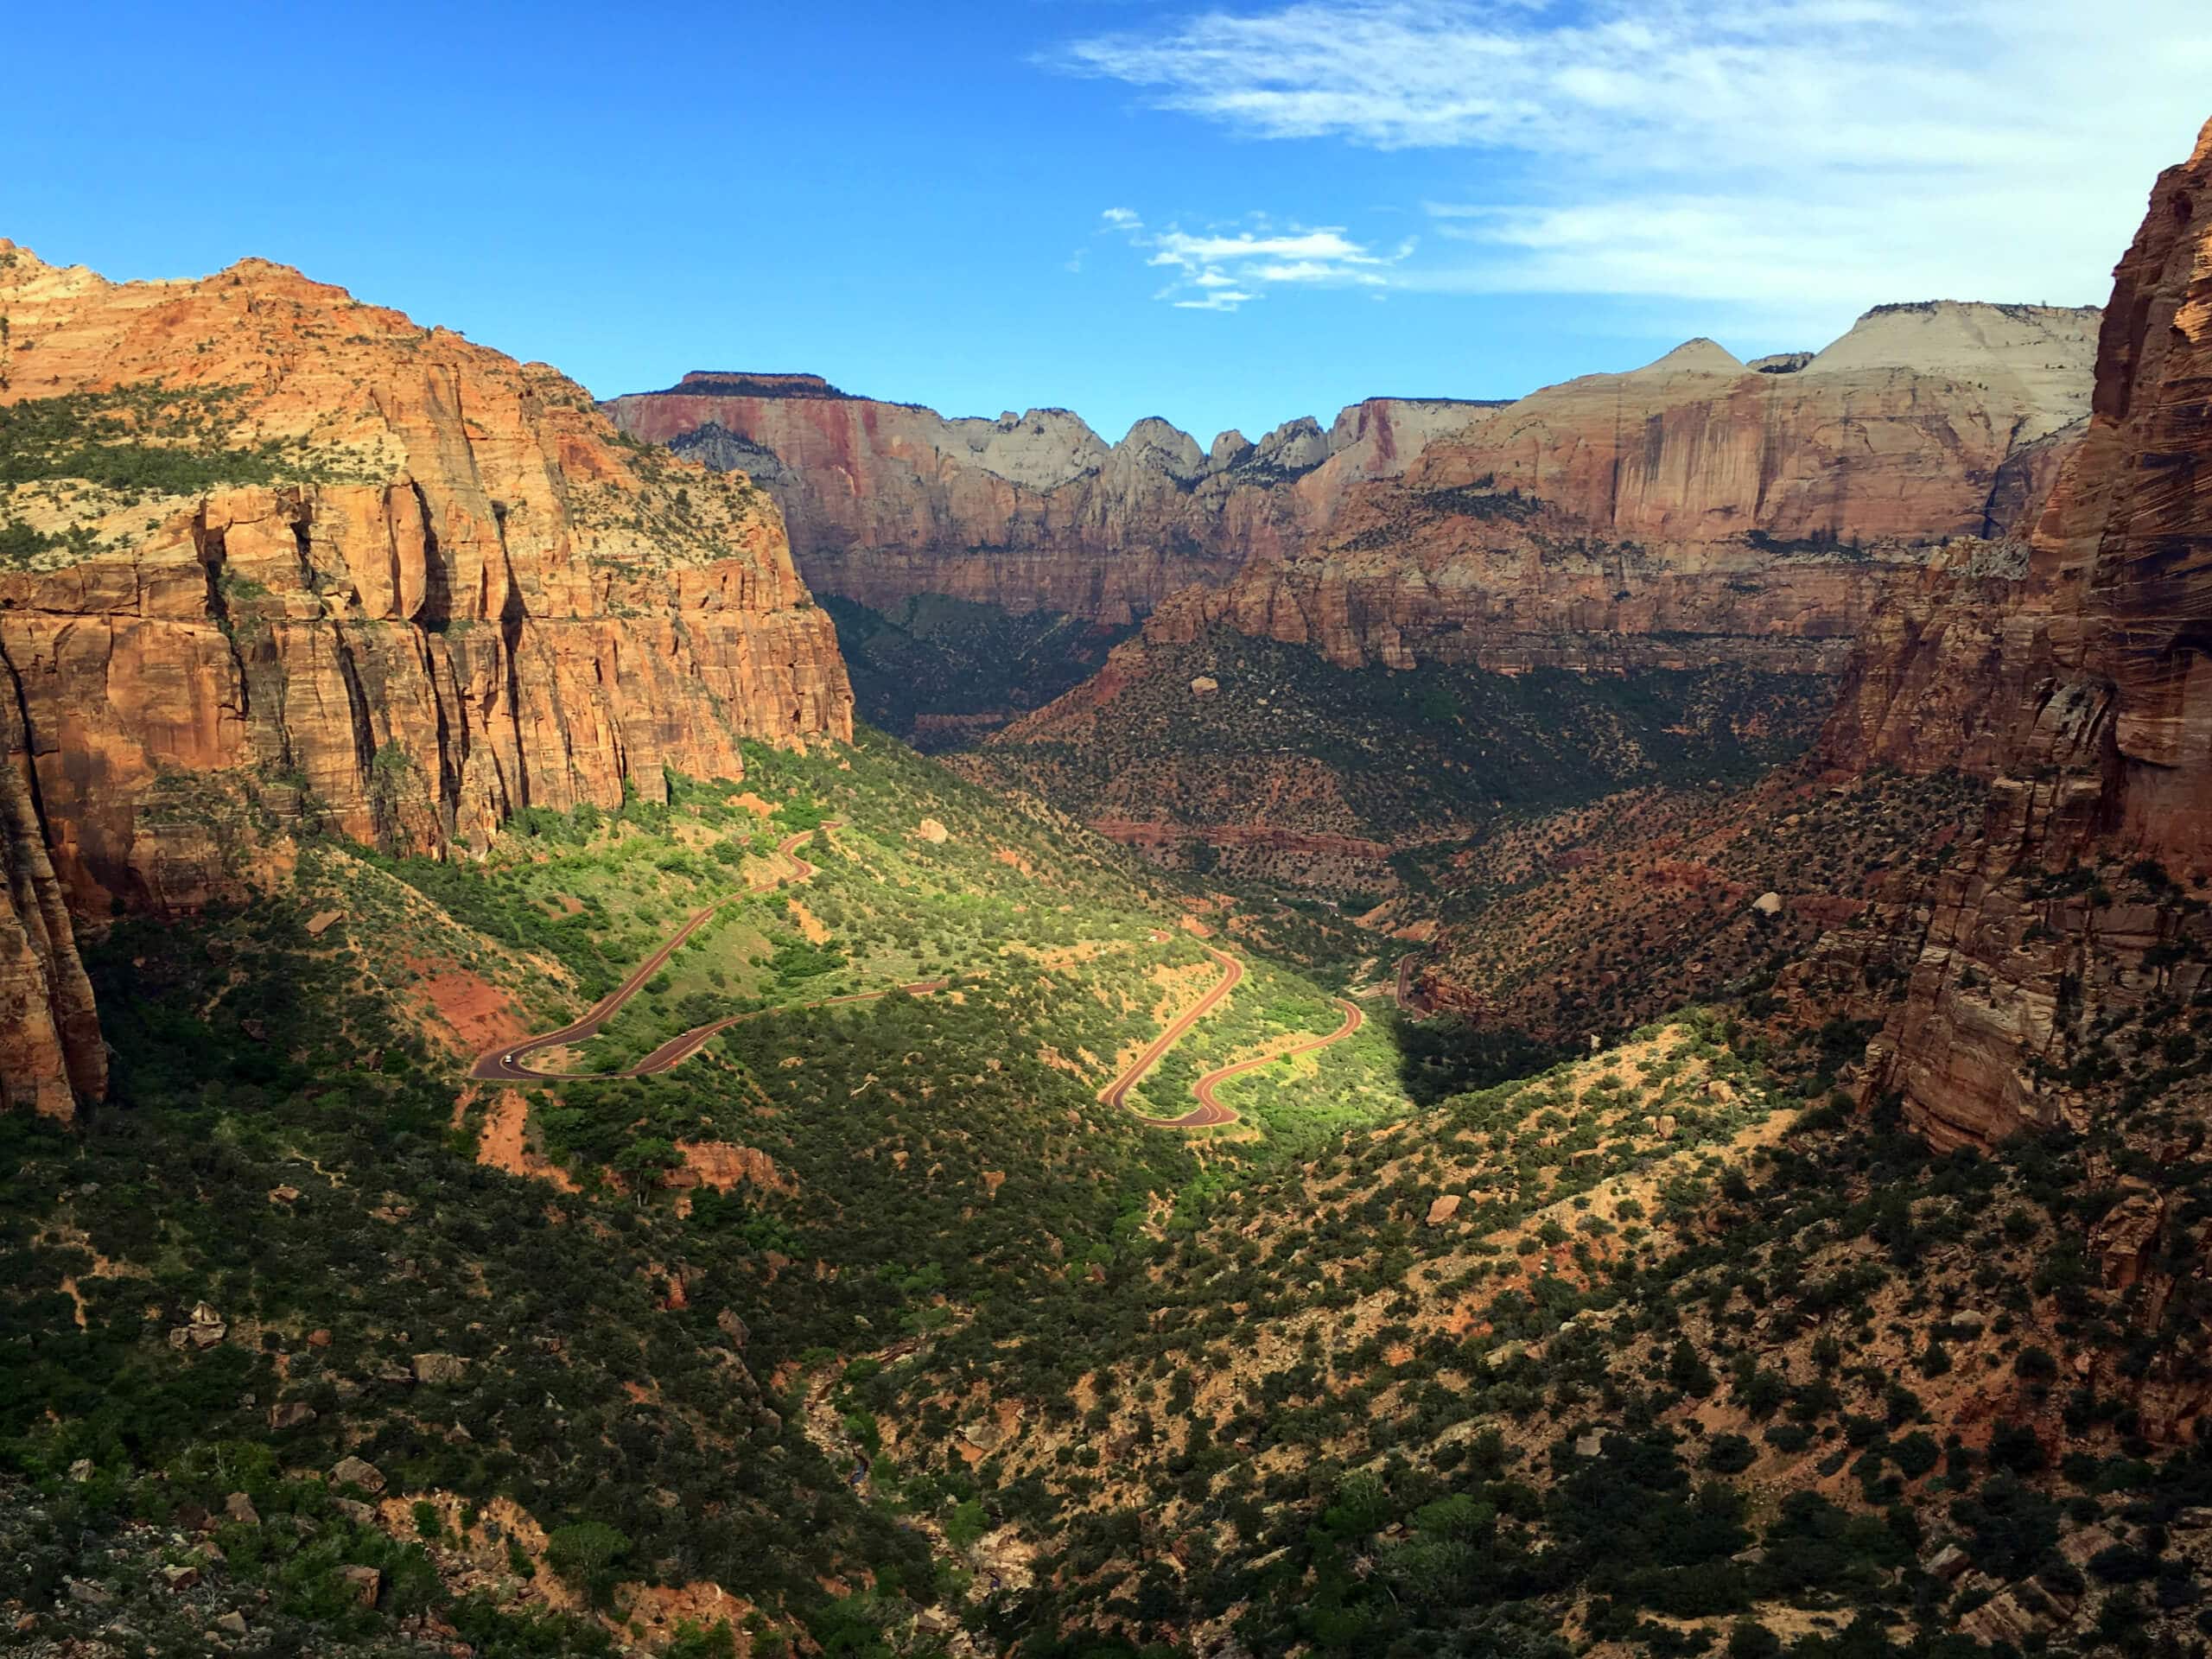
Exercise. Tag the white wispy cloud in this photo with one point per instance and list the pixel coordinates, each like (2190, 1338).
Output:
(1789, 154)
(1231, 268)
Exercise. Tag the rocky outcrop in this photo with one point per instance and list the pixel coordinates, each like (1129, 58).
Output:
(1915, 426)
(2101, 743)
(50, 1050)
(282, 556)
(1031, 511)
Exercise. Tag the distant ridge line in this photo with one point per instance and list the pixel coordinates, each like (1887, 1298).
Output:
(765, 383)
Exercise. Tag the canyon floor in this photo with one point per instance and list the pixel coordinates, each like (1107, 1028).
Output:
(900, 1322)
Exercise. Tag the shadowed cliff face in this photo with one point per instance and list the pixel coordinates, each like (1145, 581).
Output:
(2086, 690)
(50, 1049)
(274, 556)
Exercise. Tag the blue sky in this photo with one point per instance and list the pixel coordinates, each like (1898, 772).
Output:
(1224, 215)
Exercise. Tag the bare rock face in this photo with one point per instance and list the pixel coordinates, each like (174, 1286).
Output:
(1637, 504)
(285, 555)
(2099, 742)
(1028, 511)
(2030, 357)
(1899, 430)
(1694, 513)
(1939, 667)
(1515, 585)
(50, 1050)
(1613, 504)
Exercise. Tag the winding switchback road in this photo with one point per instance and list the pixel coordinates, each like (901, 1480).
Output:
(1402, 989)
(506, 1064)
(1210, 1112)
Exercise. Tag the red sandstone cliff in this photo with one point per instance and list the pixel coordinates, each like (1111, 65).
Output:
(1694, 514)
(1693, 511)
(50, 1050)
(1029, 511)
(2101, 742)
(283, 556)
(1923, 422)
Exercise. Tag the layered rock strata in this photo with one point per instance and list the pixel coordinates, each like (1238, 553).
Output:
(1923, 422)
(51, 1054)
(276, 557)
(1030, 512)
(2085, 895)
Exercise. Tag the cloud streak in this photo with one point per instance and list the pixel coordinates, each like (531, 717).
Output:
(1800, 155)
(1223, 270)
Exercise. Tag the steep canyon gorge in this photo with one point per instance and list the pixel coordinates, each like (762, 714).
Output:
(1572, 1025)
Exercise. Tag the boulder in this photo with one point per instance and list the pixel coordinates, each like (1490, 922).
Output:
(365, 1582)
(2014, 1614)
(1442, 1208)
(240, 1509)
(1768, 903)
(354, 1471)
(1947, 1563)
(2124, 1238)
(440, 1368)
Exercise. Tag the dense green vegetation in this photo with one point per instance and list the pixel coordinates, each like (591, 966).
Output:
(874, 1315)
(1637, 1436)
(127, 445)
(213, 1179)
(1435, 756)
(1586, 921)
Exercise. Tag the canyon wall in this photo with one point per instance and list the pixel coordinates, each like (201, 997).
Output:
(51, 1054)
(1033, 512)
(275, 557)
(1921, 422)
(1924, 423)
(1699, 513)
(2084, 897)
